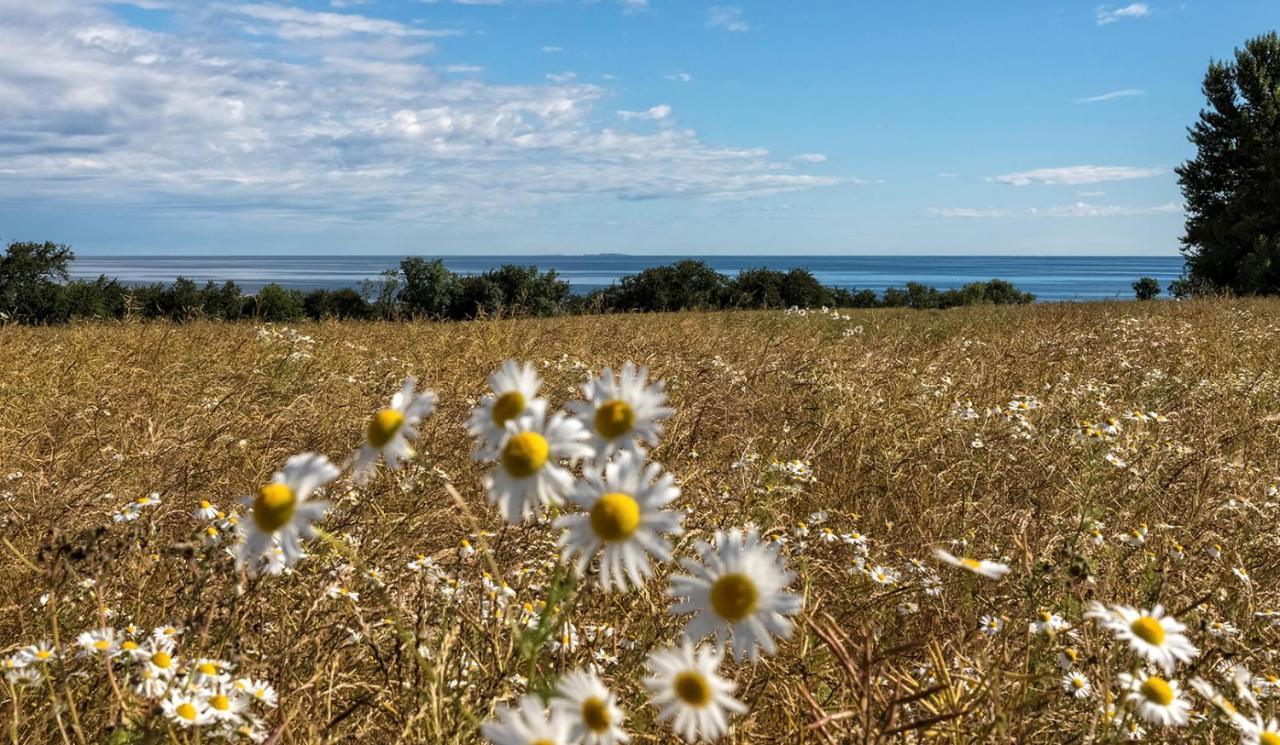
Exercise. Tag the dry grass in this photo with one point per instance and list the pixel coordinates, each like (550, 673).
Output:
(93, 416)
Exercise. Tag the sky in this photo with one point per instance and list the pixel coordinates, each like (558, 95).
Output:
(604, 126)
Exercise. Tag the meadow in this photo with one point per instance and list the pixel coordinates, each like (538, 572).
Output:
(1125, 454)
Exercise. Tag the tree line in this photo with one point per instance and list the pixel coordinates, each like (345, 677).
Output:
(35, 287)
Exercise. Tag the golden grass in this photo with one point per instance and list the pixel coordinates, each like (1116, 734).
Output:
(209, 410)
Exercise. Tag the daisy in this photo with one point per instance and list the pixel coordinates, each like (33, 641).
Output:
(591, 709)
(990, 625)
(158, 659)
(737, 590)
(884, 575)
(688, 692)
(622, 513)
(227, 704)
(390, 430)
(620, 412)
(988, 569)
(98, 641)
(281, 510)
(40, 652)
(1048, 623)
(1077, 685)
(1256, 732)
(261, 690)
(186, 709)
(515, 390)
(527, 725)
(1151, 634)
(1157, 699)
(205, 510)
(528, 475)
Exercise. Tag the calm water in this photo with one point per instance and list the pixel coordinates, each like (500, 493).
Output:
(1050, 278)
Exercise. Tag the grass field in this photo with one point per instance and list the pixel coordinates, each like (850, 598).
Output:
(905, 431)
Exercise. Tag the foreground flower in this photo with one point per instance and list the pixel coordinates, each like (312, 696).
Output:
(737, 591)
(528, 475)
(1258, 732)
(988, 569)
(98, 642)
(689, 693)
(621, 412)
(515, 390)
(1158, 700)
(527, 725)
(186, 709)
(280, 511)
(622, 504)
(591, 709)
(1151, 634)
(1076, 685)
(390, 430)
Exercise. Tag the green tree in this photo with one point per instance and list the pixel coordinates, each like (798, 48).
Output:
(30, 274)
(1232, 186)
(1146, 288)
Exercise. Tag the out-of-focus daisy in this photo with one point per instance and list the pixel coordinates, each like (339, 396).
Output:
(1151, 634)
(205, 510)
(689, 693)
(1257, 732)
(623, 513)
(528, 475)
(260, 690)
(186, 708)
(1048, 623)
(1158, 700)
(990, 624)
(620, 413)
(390, 430)
(515, 390)
(527, 724)
(281, 510)
(98, 642)
(738, 591)
(1242, 574)
(988, 569)
(39, 653)
(1077, 685)
(591, 709)
(1068, 658)
(882, 575)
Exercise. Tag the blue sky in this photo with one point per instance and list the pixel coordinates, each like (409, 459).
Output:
(580, 126)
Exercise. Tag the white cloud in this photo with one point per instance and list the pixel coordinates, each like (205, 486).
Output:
(464, 69)
(967, 213)
(465, 2)
(811, 158)
(683, 77)
(560, 78)
(948, 175)
(345, 121)
(1087, 194)
(296, 23)
(552, 50)
(634, 6)
(1126, 93)
(1076, 175)
(656, 114)
(1107, 15)
(1084, 209)
(727, 17)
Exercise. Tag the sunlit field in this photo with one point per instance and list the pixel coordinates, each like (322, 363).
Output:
(1111, 457)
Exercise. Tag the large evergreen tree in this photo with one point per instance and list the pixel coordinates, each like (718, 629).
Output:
(1232, 186)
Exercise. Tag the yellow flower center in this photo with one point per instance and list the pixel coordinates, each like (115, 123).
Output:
(383, 426)
(187, 711)
(972, 564)
(524, 454)
(1157, 691)
(1148, 630)
(615, 516)
(595, 714)
(208, 668)
(508, 406)
(1077, 682)
(734, 597)
(1269, 737)
(129, 645)
(43, 654)
(101, 645)
(220, 702)
(615, 418)
(543, 741)
(692, 688)
(204, 504)
(161, 660)
(274, 507)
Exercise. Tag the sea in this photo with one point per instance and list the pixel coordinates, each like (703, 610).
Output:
(1051, 278)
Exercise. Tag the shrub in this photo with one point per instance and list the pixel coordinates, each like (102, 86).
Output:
(1146, 288)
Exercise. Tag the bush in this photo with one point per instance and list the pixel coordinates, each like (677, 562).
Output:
(1146, 288)
(275, 304)
(684, 285)
(29, 277)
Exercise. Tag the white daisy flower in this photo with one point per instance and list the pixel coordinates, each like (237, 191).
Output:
(157, 657)
(885, 576)
(98, 642)
(988, 569)
(737, 591)
(528, 475)
(527, 725)
(390, 430)
(684, 685)
(623, 514)
(1048, 623)
(1151, 634)
(622, 412)
(591, 708)
(186, 708)
(515, 390)
(1157, 700)
(1257, 732)
(1077, 685)
(39, 653)
(260, 690)
(205, 510)
(226, 704)
(281, 511)
(990, 624)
